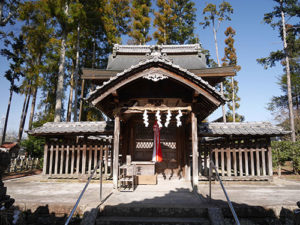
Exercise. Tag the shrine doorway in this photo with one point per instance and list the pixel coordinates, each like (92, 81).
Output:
(169, 168)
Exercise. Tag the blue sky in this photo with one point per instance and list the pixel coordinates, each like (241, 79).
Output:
(253, 40)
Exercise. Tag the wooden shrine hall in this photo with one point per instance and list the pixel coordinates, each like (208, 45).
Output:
(172, 85)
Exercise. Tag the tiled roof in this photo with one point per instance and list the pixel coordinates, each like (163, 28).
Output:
(78, 128)
(187, 56)
(158, 59)
(192, 48)
(9, 145)
(204, 129)
(240, 129)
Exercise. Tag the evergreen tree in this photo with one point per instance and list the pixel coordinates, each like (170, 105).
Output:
(8, 13)
(16, 57)
(276, 19)
(231, 84)
(164, 21)
(37, 33)
(115, 19)
(141, 20)
(183, 32)
(214, 17)
(59, 12)
(175, 22)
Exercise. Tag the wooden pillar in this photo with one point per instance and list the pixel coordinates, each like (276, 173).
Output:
(56, 159)
(90, 159)
(67, 158)
(195, 149)
(72, 159)
(270, 166)
(116, 152)
(45, 158)
(228, 156)
(83, 159)
(62, 150)
(51, 159)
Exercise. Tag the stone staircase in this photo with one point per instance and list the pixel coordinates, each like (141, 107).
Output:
(152, 216)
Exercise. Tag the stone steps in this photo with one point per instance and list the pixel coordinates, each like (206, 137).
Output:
(154, 211)
(162, 215)
(151, 221)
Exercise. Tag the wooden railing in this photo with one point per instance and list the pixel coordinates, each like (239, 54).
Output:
(237, 160)
(76, 160)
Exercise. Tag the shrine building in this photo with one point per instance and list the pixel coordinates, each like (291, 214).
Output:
(172, 85)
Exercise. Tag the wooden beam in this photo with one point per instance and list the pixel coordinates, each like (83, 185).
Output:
(195, 149)
(160, 108)
(100, 74)
(116, 152)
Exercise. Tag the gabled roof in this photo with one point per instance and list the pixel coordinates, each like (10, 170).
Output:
(186, 56)
(158, 61)
(73, 128)
(240, 129)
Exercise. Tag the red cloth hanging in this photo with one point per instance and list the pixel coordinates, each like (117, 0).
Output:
(157, 154)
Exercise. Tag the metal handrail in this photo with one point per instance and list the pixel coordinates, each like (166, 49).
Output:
(85, 187)
(224, 190)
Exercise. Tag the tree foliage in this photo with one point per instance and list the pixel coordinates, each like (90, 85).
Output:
(231, 84)
(285, 151)
(290, 52)
(139, 30)
(174, 22)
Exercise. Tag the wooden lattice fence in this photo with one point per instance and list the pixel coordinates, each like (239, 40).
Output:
(237, 159)
(76, 160)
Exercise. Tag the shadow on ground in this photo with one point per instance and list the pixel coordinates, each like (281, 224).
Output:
(176, 204)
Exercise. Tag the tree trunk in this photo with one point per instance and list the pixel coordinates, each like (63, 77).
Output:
(279, 170)
(81, 99)
(69, 111)
(288, 76)
(233, 100)
(61, 73)
(32, 108)
(24, 114)
(76, 75)
(219, 65)
(7, 115)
